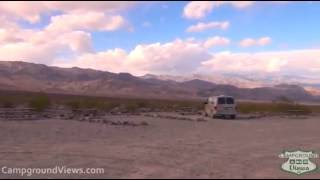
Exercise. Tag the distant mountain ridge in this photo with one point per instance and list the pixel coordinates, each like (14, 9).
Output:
(250, 80)
(37, 77)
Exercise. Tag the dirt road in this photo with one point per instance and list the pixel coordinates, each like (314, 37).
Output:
(166, 148)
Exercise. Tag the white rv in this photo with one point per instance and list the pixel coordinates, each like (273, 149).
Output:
(220, 106)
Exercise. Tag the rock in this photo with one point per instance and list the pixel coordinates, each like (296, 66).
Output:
(81, 119)
(106, 121)
(144, 110)
(116, 123)
(200, 120)
(144, 123)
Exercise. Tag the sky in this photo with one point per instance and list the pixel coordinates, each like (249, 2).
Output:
(171, 38)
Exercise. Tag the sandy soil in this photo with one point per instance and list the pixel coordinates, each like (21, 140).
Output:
(167, 148)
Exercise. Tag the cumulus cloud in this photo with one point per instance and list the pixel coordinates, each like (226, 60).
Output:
(110, 60)
(181, 57)
(6, 36)
(18, 44)
(200, 9)
(87, 21)
(291, 62)
(176, 57)
(216, 41)
(67, 34)
(29, 11)
(197, 9)
(248, 42)
(85, 6)
(66, 41)
(201, 26)
(26, 51)
(32, 11)
(78, 41)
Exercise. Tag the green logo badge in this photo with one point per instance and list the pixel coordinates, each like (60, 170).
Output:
(298, 161)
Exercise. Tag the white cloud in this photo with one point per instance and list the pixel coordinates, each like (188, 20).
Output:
(67, 34)
(239, 4)
(95, 6)
(182, 57)
(197, 9)
(176, 57)
(216, 41)
(87, 21)
(78, 41)
(31, 11)
(26, 51)
(200, 9)
(248, 42)
(41, 46)
(111, 60)
(6, 36)
(291, 62)
(264, 41)
(201, 26)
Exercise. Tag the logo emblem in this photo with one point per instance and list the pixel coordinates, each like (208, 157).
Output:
(298, 161)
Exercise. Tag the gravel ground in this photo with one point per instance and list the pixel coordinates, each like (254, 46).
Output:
(165, 148)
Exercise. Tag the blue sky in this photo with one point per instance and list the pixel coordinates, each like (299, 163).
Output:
(291, 26)
(178, 38)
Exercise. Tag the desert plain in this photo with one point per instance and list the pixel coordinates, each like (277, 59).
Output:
(160, 145)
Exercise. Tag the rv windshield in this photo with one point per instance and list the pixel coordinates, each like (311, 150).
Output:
(230, 101)
(221, 100)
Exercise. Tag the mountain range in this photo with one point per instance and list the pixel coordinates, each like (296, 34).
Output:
(23, 76)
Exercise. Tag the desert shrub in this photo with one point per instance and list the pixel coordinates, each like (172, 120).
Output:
(142, 104)
(75, 104)
(284, 99)
(86, 103)
(314, 108)
(92, 103)
(294, 109)
(288, 108)
(131, 107)
(40, 102)
(7, 104)
(110, 105)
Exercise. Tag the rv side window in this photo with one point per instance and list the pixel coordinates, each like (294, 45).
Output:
(230, 101)
(221, 101)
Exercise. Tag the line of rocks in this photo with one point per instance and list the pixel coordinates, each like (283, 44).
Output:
(175, 117)
(84, 115)
(113, 122)
(95, 116)
(20, 114)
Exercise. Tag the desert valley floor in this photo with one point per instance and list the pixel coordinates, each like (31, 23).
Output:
(165, 148)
